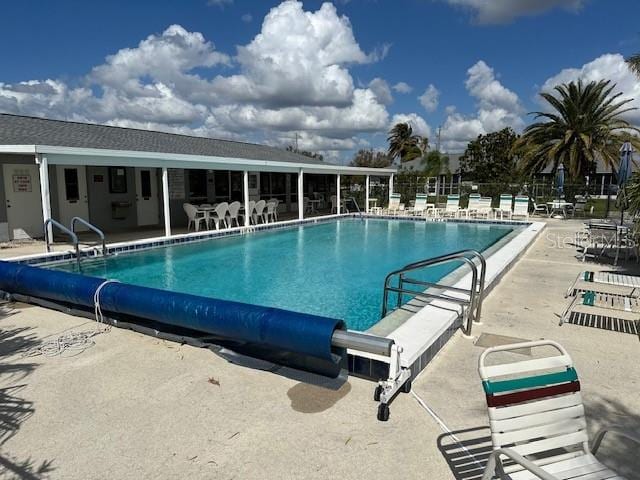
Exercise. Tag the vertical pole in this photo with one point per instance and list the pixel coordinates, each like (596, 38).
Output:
(390, 186)
(245, 190)
(300, 194)
(366, 195)
(165, 202)
(45, 194)
(338, 209)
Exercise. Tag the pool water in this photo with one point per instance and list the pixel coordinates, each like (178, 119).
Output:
(336, 269)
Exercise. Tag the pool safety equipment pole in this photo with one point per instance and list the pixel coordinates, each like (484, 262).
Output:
(41, 160)
(300, 194)
(338, 203)
(399, 378)
(165, 202)
(366, 195)
(245, 190)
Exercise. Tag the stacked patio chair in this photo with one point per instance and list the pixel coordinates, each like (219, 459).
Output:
(195, 217)
(537, 420)
(604, 305)
(272, 210)
(233, 213)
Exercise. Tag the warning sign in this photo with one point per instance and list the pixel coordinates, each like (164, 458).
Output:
(22, 183)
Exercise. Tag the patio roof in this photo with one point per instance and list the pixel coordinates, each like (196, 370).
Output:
(67, 142)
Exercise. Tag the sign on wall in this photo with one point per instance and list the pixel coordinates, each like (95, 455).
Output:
(176, 184)
(22, 183)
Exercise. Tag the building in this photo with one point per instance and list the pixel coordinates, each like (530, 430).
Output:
(124, 178)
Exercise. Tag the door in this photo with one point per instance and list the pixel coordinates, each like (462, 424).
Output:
(22, 198)
(72, 194)
(147, 196)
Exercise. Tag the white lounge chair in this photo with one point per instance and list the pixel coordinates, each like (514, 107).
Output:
(420, 205)
(537, 420)
(605, 310)
(233, 211)
(506, 206)
(195, 217)
(472, 206)
(452, 208)
(521, 207)
(219, 215)
(394, 204)
(484, 208)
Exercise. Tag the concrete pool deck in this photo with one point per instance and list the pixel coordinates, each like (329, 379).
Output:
(135, 406)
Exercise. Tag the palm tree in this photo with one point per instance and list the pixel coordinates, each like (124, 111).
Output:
(634, 63)
(583, 124)
(403, 143)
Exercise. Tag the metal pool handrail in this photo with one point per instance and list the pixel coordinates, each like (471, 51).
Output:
(475, 294)
(91, 227)
(357, 207)
(63, 229)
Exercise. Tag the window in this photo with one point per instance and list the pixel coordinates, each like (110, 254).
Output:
(117, 180)
(222, 184)
(71, 187)
(145, 184)
(197, 184)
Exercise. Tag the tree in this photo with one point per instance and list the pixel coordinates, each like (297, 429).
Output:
(403, 143)
(634, 63)
(435, 163)
(306, 153)
(490, 159)
(584, 123)
(370, 158)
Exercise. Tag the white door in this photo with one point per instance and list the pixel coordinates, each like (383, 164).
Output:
(22, 193)
(72, 194)
(147, 196)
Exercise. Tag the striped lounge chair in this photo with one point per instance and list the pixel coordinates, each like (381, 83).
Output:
(537, 420)
(521, 207)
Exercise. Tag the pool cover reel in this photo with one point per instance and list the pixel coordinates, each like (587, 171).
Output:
(301, 340)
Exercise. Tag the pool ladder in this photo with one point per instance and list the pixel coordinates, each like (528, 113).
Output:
(353, 200)
(71, 233)
(468, 299)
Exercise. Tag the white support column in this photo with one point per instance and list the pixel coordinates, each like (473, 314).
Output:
(45, 194)
(338, 201)
(390, 186)
(300, 194)
(165, 202)
(245, 190)
(366, 195)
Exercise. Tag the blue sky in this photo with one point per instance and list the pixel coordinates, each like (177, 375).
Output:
(308, 68)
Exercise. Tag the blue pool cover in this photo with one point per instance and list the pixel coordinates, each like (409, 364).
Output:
(307, 337)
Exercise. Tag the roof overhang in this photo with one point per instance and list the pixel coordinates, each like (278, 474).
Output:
(101, 157)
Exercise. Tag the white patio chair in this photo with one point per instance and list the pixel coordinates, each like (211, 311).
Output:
(195, 217)
(540, 209)
(484, 208)
(258, 212)
(270, 215)
(234, 210)
(521, 207)
(580, 208)
(306, 205)
(420, 205)
(472, 206)
(537, 420)
(452, 208)
(394, 204)
(219, 215)
(506, 206)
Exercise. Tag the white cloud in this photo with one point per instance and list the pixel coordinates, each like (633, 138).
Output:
(381, 90)
(418, 124)
(293, 76)
(429, 99)
(504, 11)
(605, 67)
(402, 87)
(497, 108)
(247, 18)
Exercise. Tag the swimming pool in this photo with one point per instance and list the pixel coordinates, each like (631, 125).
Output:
(334, 268)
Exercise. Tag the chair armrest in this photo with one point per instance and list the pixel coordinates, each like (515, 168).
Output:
(615, 430)
(494, 460)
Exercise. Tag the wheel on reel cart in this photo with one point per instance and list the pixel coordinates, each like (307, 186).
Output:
(406, 388)
(376, 393)
(383, 412)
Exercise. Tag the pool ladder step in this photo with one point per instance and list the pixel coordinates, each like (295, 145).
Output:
(72, 234)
